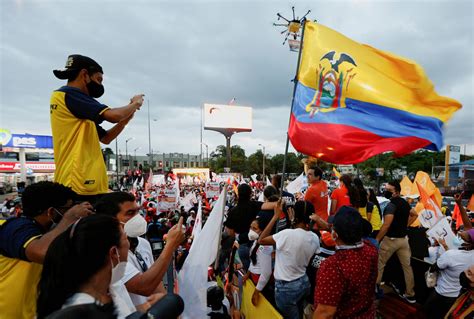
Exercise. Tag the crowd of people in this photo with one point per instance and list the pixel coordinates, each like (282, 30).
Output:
(61, 253)
(74, 249)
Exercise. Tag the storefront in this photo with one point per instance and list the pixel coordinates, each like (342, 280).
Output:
(25, 158)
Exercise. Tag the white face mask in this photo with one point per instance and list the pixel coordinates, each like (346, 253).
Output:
(136, 226)
(253, 235)
(119, 270)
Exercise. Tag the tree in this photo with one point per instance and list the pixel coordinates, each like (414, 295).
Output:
(218, 159)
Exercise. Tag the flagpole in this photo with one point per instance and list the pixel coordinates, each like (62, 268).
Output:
(216, 263)
(283, 177)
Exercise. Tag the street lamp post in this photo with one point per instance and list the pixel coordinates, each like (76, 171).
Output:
(126, 150)
(263, 147)
(117, 160)
(135, 155)
(207, 153)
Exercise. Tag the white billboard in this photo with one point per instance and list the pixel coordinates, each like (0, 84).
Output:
(223, 117)
(454, 154)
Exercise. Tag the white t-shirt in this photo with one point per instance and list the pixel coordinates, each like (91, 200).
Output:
(452, 263)
(294, 249)
(134, 268)
(263, 266)
(122, 301)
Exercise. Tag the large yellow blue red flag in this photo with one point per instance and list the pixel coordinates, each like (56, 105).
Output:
(353, 101)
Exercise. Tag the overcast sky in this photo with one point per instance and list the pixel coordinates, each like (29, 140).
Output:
(183, 54)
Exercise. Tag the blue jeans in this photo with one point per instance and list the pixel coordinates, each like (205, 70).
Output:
(290, 296)
(244, 255)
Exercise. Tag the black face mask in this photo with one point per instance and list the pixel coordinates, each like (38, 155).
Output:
(387, 194)
(464, 281)
(95, 89)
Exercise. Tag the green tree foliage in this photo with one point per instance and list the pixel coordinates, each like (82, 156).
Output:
(253, 164)
(421, 160)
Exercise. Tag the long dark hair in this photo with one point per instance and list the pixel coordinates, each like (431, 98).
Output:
(73, 258)
(373, 199)
(351, 190)
(303, 209)
(271, 193)
(362, 192)
(262, 224)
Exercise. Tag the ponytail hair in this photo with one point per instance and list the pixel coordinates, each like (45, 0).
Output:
(303, 209)
(73, 258)
(351, 190)
(362, 192)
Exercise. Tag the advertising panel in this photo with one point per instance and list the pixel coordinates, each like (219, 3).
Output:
(221, 117)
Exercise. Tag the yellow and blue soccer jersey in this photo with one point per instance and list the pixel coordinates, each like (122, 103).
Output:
(19, 277)
(75, 119)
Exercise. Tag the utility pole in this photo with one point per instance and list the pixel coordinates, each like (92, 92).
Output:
(117, 160)
(263, 147)
(207, 153)
(150, 155)
(126, 150)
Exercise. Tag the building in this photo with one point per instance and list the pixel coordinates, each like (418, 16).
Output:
(165, 161)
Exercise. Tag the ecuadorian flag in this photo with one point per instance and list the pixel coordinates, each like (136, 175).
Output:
(353, 101)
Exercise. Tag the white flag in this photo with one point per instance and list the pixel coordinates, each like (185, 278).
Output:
(188, 201)
(134, 186)
(193, 276)
(198, 222)
(296, 185)
(254, 178)
(268, 181)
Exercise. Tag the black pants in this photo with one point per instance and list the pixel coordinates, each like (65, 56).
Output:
(437, 306)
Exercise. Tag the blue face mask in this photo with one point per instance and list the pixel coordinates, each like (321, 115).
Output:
(457, 241)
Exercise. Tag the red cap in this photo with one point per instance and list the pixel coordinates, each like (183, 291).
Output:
(327, 239)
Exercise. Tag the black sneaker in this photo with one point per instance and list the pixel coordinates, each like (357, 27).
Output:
(411, 299)
(395, 288)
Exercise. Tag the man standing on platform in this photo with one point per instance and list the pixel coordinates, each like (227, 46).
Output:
(76, 116)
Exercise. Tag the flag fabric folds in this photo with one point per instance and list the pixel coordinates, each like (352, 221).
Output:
(193, 276)
(353, 101)
(198, 222)
(406, 186)
(432, 213)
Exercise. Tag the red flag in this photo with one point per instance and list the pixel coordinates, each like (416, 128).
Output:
(457, 216)
(470, 205)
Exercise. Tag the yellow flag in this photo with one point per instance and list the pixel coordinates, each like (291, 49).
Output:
(424, 180)
(263, 310)
(338, 175)
(437, 196)
(353, 101)
(406, 186)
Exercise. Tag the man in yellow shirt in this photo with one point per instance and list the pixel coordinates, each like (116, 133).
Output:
(76, 116)
(25, 240)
